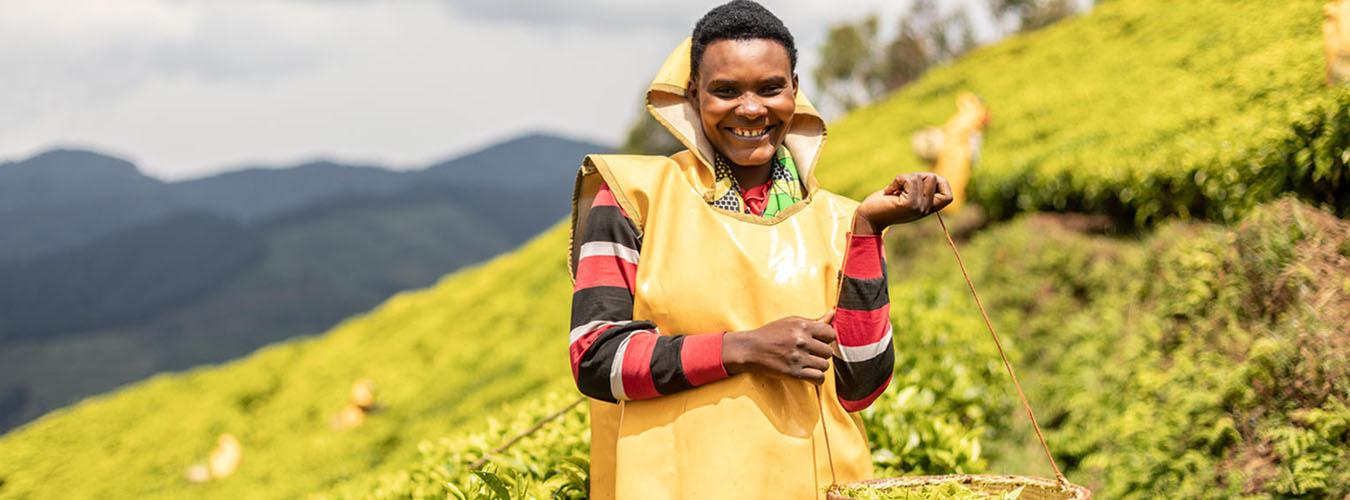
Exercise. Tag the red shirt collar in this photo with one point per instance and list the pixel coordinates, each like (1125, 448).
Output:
(756, 198)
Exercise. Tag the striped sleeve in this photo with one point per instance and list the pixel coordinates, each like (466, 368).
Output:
(614, 357)
(865, 359)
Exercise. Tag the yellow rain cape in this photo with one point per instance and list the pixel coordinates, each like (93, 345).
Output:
(707, 270)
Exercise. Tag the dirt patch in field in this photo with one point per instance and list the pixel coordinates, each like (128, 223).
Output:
(1256, 462)
(1306, 300)
(1312, 291)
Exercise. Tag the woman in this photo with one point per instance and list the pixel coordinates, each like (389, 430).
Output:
(704, 320)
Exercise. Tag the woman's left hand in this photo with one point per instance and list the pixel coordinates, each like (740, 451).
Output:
(908, 197)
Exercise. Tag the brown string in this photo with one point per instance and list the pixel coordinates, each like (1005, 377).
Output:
(538, 425)
(1059, 476)
(829, 454)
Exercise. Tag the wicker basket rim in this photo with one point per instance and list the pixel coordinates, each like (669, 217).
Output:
(1074, 491)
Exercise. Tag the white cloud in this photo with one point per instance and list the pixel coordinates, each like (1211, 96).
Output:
(69, 63)
(93, 49)
(590, 15)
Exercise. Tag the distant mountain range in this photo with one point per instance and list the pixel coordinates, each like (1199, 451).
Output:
(108, 276)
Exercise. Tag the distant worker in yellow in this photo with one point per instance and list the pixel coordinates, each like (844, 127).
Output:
(961, 138)
(360, 403)
(226, 457)
(927, 144)
(222, 463)
(1336, 32)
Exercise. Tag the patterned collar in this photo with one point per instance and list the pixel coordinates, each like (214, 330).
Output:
(785, 186)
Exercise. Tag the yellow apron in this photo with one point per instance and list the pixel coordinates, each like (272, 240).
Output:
(707, 270)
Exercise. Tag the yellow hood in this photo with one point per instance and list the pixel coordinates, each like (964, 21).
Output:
(667, 103)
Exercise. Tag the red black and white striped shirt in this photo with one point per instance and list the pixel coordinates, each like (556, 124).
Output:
(616, 358)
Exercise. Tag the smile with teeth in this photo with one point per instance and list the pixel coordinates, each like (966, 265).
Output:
(750, 132)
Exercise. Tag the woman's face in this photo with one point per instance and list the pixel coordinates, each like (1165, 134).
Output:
(745, 93)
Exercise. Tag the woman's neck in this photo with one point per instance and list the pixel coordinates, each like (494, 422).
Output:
(748, 177)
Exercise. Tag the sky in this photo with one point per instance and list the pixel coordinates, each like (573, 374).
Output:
(186, 88)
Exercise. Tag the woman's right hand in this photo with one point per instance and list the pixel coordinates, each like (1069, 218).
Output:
(793, 347)
(908, 197)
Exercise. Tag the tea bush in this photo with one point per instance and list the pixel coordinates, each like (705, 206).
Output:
(1197, 109)
(1221, 368)
(550, 462)
(1201, 361)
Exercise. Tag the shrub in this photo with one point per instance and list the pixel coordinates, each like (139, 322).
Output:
(1201, 109)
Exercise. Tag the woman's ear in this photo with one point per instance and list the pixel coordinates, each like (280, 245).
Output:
(795, 87)
(691, 92)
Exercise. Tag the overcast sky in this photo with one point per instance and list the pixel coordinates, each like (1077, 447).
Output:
(186, 88)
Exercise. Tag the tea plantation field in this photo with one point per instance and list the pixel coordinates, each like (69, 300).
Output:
(1165, 254)
(1141, 110)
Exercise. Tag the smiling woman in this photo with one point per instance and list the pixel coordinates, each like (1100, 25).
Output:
(748, 94)
(727, 335)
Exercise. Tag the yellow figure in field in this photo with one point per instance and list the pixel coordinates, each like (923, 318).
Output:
(927, 144)
(359, 404)
(1336, 33)
(226, 457)
(222, 462)
(961, 138)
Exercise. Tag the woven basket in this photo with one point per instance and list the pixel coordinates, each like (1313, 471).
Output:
(1033, 488)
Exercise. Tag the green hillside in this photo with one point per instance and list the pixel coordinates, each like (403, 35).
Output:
(1185, 359)
(1141, 110)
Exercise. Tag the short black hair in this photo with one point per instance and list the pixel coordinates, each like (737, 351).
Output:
(739, 20)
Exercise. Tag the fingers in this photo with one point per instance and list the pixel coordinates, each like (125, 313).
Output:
(812, 375)
(815, 338)
(803, 347)
(944, 194)
(812, 368)
(895, 187)
(816, 363)
(818, 350)
(822, 332)
(926, 195)
(912, 188)
(922, 192)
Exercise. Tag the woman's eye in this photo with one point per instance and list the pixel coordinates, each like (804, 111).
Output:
(771, 91)
(725, 92)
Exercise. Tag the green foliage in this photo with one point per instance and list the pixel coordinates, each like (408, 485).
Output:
(858, 67)
(1191, 365)
(1032, 15)
(848, 62)
(647, 137)
(548, 463)
(1199, 109)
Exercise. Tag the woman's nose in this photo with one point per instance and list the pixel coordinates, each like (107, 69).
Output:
(750, 107)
